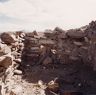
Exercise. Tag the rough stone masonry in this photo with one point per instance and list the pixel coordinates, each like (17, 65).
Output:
(56, 46)
(61, 47)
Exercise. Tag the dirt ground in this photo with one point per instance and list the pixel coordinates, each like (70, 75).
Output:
(71, 78)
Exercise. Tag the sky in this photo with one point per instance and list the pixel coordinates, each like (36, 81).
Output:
(45, 14)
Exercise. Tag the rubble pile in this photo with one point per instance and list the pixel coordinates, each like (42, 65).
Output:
(11, 46)
(50, 47)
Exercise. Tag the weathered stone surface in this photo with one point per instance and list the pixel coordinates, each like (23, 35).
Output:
(91, 31)
(46, 42)
(59, 29)
(8, 38)
(48, 33)
(16, 90)
(6, 61)
(92, 55)
(52, 46)
(75, 34)
(62, 35)
(17, 72)
(16, 55)
(30, 34)
(22, 35)
(94, 67)
(18, 60)
(47, 61)
(12, 93)
(53, 86)
(0, 89)
(70, 45)
(78, 43)
(4, 49)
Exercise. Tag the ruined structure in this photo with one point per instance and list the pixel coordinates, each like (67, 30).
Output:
(52, 47)
(63, 47)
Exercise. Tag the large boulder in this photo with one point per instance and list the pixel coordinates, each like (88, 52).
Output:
(6, 60)
(4, 49)
(8, 38)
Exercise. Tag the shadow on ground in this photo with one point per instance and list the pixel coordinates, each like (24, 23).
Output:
(72, 77)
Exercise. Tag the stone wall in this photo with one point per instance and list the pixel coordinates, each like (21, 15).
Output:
(56, 46)
(60, 46)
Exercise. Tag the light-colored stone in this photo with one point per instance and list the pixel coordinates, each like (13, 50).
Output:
(17, 60)
(46, 42)
(12, 93)
(17, 89)
(78, 43)
(22, 35)
(18, 72)
(4, 49)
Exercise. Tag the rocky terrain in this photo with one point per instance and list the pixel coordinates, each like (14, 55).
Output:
(53, 62)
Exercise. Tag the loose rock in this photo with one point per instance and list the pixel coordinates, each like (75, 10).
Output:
(8, 38)
(4, 49)
(6, 61)
(47, 61)
(17, 72)
(75, 34)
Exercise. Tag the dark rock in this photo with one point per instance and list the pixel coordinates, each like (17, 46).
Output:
(47, 60)
(75, 34)
(6, 61)
(59, 29)
(8, 38)
(53, 86)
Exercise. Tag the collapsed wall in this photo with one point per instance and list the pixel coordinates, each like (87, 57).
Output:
(60, 46)
(44, 48)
